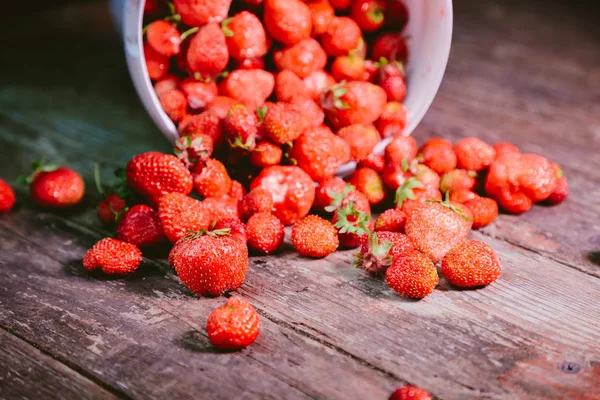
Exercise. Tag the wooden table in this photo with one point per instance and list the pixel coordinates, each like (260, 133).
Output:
(527, 72)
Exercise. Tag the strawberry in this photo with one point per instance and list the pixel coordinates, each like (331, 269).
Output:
(561, 191)
(241, 127)
(7, 197)
(258, 200)
(265, 232)
(179, 214)
(151, 8)
(462, 195)
(223, 207)
(505, 148)
(234, 325)
(401, 148)
(352, 225)
(373, 161)
(113, 256)
(412, 275)
(202, 12)
(237, 229)
(191, 151)
(320, 153)
(342, 37)
(370, 184)
(199, 94)
(396, 16)
(391, 46)
(266, 154)
(408, 392)
(426, 175)
(292, 189)
(458, 179)
(394, 87)
(353, 103)
(290, 88)
(250, 63)
(211, 179)
(471, 264)
(155, 174)
(140, 226)
(438, 154)
(421, 195)
(395, 175)
(318, 82)
(368, 14)
(378, 251)
(474, 155)
(340, 5)
(210, 263)
(393, 120)
(347, 194)
(333, 185)
(392, 220)
(361, 139)
(54, 186)
(303, 58)
(322, 14)
(287, 21)
(246, 37)
(237, 191)
(436, 227)
(169, 82)
(484, 210)
(348, 68)
(313, 236)
(207, 123)
(207, 52)
(250, 87)
(110, 208)
(220, 106)
(174, 104)
(283, 123)
(163, 37)
(157, 64)
(313, 116)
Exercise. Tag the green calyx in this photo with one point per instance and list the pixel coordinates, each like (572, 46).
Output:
(338, 91)
(446, 203)
(359, 225)
(237, 143)
(37, 166)
(405, 191)
(120, 188)
(193, 235)
(338, 198)
(409, 166)
(224, 26)
(377, 258)
(261, 112)
(375, 15)
(188, 33)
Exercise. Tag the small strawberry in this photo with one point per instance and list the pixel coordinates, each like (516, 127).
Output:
(246, 37)
(394, 87)
(352, 225)
(207, 123)
(290, 88)
(303, 58)
(461, 196)
(155, 174)
(241, 127)
(400, 149)
(179, 214)
(110, 208)
(484, 210)
(54, 186)
(163, 37)
(202, 12)
(347, 194)
(287, 21)
(322, 14)
(458, 179)
(391, 46)
(210, 263)
(393, 120)
(283, 123)
(353, 103)
(320, 153)
(249, 87)
(157, 64)
(361, 139)
(265, 232)
(395, 175)
(7, 197)
(412, 275)
(318, 82)
(396, 15)
(392, 220)
(211, 179)
(258, 200)
(409, 392)
(348, 68)
(223, 207)
(113, 256)
(471, 264)
(169, 82)
(174, 104)
(505, 148)
(368, 14)
(474, 155)
(378, 251)
(342, 37)
(220, 106)
(368, 181)
(313, 236)
(322, 197)
(151, 8)
(199, 94)
(191, 151)
(266, 154)
(438, 154)
(561, 191)
(436, 227)
(207, 52)
(373, 161)
(140, 226)
(234, 325)
(237, 229)
(113, 204)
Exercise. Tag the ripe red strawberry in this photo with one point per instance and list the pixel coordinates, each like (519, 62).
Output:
(471, 264)
(393, 120)
(368, 14)
(561, 192)
(151, 8)
(250, 63)
(7, 197)
(461, 196)
(113, 256)
(409, 392)
(361, 139)
(353, 103)
(290, 88)
(318, 82)
(474, 155)
(246, 37)
(505, 148)
(208, 53)
(265, 232)
(313, 116)
(370, 184)
(223, 207)
(174, 104)
(395, 175)
(391, 46)
(237, 229)
(211, 179)
(412, 275)
(458, 179)
(320, 153)
(401, 148)
(220, 106)
(353, 225)
(157, 64)
(373, 161)
(322, 14)
(378, 251)
(241, 127)
(140, 226)
(484, 210)
(155, 174)
(438, 154)
(394, 87)
(292, 189)
(396, 16)
(210, 263)
(234, 325)
(283, 123)
(199, 94)
(202, 12)
(166, 84)
(266, 154)
(287, 21)
(426, 175)
(342, 37)
(313, 236)
(258, 200)
(250, 87)
(413, 191)
(163, 37)
(322, 197)
(340, 5)
(340, 197)
(207, 123)
(110, 208)
(421, 195)
(437, 227)
(348, 68)
(54, 186)
(193, 150)
(179, 214)
(392, 220)
(237, 191)
(303, 58)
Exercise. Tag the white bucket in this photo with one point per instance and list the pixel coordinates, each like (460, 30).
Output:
(429, 28)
